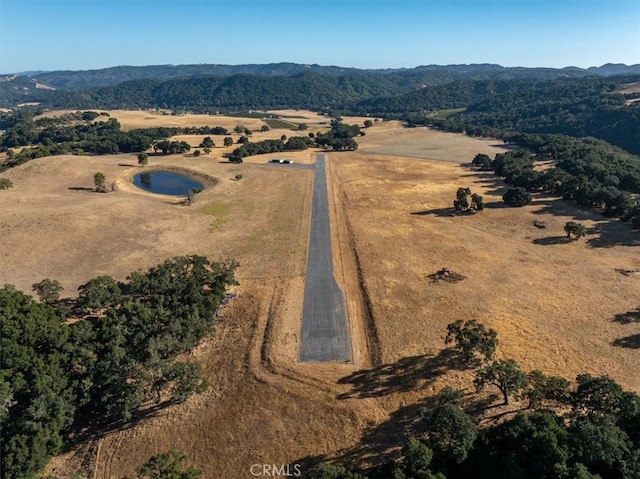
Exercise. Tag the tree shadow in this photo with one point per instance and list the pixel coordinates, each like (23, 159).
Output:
(606, 232)
(477, 404)
(552, 240)
(631, 342)
(493, 184)
(80, 188)
(440, 212)
(381, 442)
(404, 375)
(495, 205)
(94, 426)
(612, 232)
(127, 164)
(378, 443)
(385, 440)
(632, 316)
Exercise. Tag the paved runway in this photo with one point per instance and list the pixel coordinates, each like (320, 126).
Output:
(325, 329)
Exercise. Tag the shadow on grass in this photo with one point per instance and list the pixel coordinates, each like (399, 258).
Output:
(440, 212)
(383, 442)
(127, 164)
(612, 232)
(404, 375)
(95, 426)
(493, 205)
(493, 184)
(632, 316)
(378, 443)
(551, 240)
(606, 232)
(477, 404)
(80, 188)
(631, 342)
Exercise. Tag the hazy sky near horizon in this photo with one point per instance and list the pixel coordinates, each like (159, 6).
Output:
(90, 34)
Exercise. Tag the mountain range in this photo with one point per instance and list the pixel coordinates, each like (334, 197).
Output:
(83, 79)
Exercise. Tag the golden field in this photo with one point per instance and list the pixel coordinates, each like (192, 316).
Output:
(552, 302)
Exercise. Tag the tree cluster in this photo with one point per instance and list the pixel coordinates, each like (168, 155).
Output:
(74, 132)
(586, 430)
(468, 202)
(340, 137)
(295, 143)
(117, 359)
(168, 147)
(587, 171)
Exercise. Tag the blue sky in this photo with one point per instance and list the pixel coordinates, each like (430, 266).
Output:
(89, 34)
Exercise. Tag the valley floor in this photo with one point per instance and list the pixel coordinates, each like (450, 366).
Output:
(553, 303)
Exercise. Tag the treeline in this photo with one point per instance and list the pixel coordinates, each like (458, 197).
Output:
(587, 430)
(295, 143)
(116, 357)
(78, 133)
(588, 171)
(340, 137)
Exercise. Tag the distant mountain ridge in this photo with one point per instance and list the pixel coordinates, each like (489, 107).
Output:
(82, 79)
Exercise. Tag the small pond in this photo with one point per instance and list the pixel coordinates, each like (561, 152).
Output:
(166, 183)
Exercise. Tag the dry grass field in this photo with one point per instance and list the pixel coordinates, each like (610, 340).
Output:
(552, 302)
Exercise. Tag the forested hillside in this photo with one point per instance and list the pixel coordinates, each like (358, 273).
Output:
(580, 108)
(120, 74)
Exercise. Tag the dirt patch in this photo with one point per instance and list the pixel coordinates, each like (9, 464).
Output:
(390, 139)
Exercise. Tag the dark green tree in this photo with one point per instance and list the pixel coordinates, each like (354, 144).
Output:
(505, 374)
(48, 290)
(461, 203)
(328, 471)
(451, 432)
(143, 158)
(482, 161)
(477, 202)
(604, 448)
(542, 389)
(575, 229)
(471, 338)
(207, 142)
(5, 183)
(532, 444)
(416, 461)
(517, 197)
(228, 141)
(99, 293)
(167, 465)
(99, 182)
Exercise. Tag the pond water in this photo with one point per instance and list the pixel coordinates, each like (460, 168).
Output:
(166, 183)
